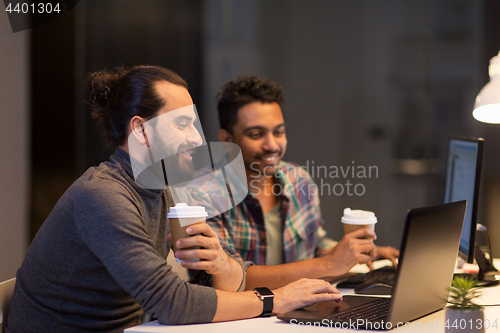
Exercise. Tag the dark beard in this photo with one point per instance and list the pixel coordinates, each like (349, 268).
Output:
(177, 174)
(174, 173)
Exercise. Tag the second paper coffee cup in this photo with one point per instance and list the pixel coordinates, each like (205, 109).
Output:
(357, 219)
(181, 216)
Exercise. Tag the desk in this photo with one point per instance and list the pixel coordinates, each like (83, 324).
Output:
(432, 323)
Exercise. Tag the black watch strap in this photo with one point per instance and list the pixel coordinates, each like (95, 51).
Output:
(266, 296)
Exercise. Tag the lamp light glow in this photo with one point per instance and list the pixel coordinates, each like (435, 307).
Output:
(487, 105)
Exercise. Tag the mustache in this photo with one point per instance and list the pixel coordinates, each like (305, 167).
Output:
(185, 146)
(269, 152)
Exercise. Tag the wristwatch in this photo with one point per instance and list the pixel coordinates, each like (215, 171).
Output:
(267, 296)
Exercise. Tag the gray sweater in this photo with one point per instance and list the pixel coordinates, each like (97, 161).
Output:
(100, 256)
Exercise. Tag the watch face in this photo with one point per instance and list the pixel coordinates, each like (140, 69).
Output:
(264, 291)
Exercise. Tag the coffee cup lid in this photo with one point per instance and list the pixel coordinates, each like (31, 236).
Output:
(181, 210)
(358, 217)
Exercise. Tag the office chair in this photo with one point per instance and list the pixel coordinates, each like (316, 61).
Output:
(6, 291)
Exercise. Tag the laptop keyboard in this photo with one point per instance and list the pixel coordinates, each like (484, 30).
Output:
(384, 274)
(371, 312)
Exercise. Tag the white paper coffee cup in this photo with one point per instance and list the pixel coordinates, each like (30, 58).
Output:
(181, 216)
(357, 219)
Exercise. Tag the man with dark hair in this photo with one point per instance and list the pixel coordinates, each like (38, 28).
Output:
(276, 231)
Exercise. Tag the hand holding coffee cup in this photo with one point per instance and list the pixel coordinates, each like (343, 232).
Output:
(200, 249)
(181, 216)
(357, 219)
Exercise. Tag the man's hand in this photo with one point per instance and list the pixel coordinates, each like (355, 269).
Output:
(354, 248)
(302, 293)
(296, 295)
(385, 252)
(226, 272)
(212, 258)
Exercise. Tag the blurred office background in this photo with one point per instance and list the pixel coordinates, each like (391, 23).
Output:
(367, 83)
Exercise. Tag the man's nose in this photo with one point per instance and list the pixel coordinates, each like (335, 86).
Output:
(194, 136)
(270, 143)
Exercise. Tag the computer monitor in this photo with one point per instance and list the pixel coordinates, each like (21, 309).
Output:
(463, 177)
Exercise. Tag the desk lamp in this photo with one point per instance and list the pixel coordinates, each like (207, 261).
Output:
(487, 105)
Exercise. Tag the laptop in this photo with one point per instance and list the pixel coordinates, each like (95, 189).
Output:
(426, 265)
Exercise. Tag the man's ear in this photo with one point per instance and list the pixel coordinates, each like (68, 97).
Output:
(138, 130)
(225, 136)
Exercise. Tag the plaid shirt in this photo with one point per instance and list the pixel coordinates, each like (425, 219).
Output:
(242, 232)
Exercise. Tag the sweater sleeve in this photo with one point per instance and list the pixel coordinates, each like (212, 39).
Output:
(111, 224)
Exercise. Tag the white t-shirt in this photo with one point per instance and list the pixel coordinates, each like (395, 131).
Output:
(274, 232)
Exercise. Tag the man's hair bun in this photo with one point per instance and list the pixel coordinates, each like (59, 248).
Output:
(100, 86)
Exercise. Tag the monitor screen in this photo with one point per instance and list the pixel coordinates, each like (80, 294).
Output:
(463, 176)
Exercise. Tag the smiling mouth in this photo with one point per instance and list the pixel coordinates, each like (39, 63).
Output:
(187, 155)
(271, 158)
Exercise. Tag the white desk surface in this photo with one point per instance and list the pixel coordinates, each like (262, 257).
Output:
(431, 323)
